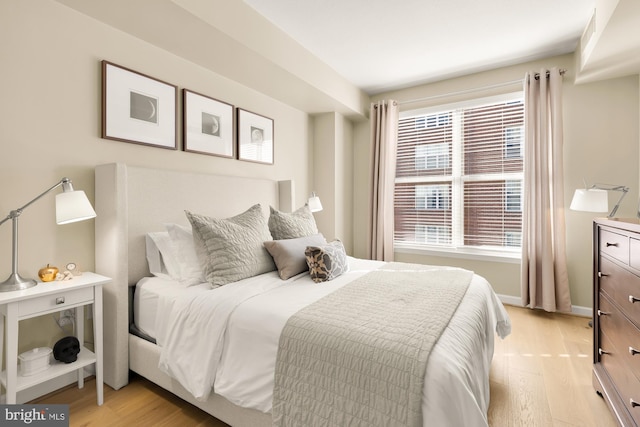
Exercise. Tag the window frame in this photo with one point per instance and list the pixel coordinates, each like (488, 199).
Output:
(457, 249)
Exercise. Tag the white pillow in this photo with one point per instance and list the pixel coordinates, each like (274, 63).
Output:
(161, 255)
(185, 251)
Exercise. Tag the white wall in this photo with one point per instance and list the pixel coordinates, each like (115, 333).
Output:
(333, 176)
(50, 118)
(601, 123)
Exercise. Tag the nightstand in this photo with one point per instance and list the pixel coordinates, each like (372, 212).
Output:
(45, 298)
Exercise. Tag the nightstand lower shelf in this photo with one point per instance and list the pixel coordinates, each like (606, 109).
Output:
(56, 369)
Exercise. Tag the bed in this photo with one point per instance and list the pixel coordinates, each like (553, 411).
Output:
(132, 202)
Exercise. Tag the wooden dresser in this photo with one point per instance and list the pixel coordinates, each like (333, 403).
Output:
(616, 326)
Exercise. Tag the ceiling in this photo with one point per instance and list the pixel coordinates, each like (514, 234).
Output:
(379, 45)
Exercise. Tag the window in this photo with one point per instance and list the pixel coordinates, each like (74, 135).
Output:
(513, 238)
(433, 234)
(459, 176)
(513, 137)
(432, 156)
(513, 196)
(432, 197)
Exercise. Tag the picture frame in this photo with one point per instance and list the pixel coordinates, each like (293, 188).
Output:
(255, 137)
(138, 108)
(208, 125)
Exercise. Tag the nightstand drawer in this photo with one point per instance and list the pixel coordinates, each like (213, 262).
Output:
(57, 301)
(615, 245)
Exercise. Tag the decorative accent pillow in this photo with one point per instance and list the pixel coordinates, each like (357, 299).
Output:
(299, 223)
(289, 256)
(326, 262)
(233, 247)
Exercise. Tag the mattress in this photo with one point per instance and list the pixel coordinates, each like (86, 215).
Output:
(148, 294)
(456, 390)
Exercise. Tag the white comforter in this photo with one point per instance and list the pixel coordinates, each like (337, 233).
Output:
(227, 338)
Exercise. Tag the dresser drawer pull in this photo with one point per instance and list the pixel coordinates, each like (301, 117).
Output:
(601, 274)
(633, 299)
(603, 313)
(633, 351)
(611, 244)
(633, 403)
(59, 300)
(601, 352)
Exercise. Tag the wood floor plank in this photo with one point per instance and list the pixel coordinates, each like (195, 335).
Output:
(540, 376)
(548, 363)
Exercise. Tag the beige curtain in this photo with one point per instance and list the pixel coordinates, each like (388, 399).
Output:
(384, 140)
(545, 282)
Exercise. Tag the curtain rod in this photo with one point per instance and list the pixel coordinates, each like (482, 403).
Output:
(477, 89)
(537, 75)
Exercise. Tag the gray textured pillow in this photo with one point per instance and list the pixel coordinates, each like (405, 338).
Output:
(232, 248)
(289, 256)
(326, 262)
(299, 223)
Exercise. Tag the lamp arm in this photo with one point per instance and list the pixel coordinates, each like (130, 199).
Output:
(624, 190)
(609, 187)
(66, 182)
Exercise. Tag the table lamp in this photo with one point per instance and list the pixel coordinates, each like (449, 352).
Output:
(596, 198)
(314, 203)
(71, 206)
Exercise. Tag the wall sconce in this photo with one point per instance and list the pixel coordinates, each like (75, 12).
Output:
(314, 203)
(71, 206)
(596, 198)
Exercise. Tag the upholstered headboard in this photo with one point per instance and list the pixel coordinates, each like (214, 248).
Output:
(132, 201)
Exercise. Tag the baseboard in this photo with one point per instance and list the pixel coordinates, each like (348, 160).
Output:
(575, 309)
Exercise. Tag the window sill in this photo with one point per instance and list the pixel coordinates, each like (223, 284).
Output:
(465, 253)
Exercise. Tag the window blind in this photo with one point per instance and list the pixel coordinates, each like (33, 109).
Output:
(459, 175)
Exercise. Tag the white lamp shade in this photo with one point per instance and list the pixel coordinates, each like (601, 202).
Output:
(314, 204)
(590, 200)
(72, 206)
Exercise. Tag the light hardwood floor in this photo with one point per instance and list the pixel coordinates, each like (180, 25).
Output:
(541, 373)
(540, 376)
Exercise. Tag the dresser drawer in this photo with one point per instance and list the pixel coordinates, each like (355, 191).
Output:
(634, 253)
(624, 336)
(615, 245)
(627, 386)
(622, 287)
(57, 301)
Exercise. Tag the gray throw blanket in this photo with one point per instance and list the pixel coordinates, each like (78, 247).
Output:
(358, 356)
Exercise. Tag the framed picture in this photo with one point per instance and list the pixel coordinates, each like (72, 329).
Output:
(207, 125)
(138, 108)
(255, 137)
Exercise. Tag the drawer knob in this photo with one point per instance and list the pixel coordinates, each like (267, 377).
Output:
(59, 300)
(633, 351)
(601, 274)
(602, 352)
(633, 403)
(603, 313)
(633, 299)
(611, 244)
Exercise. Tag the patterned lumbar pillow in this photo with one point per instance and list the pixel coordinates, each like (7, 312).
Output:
(232, 249)
(326, 262)
(300, 223)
